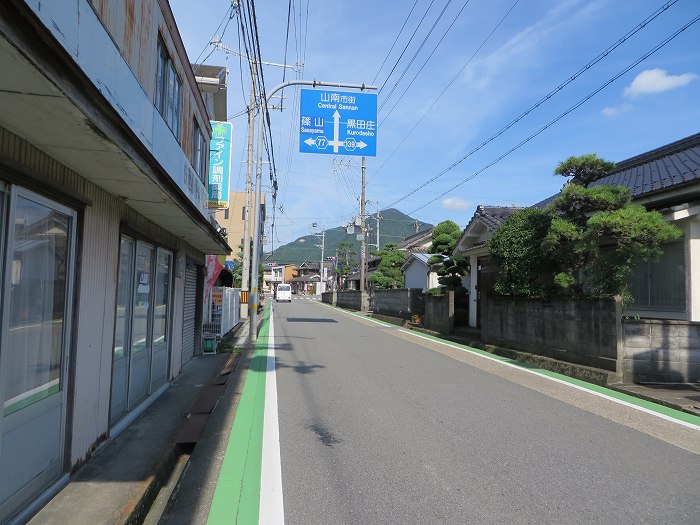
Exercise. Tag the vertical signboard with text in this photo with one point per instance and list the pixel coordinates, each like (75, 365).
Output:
(220, 164)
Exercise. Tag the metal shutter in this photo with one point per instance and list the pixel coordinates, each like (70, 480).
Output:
(190, 310)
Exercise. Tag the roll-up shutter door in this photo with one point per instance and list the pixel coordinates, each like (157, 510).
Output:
(188, 323)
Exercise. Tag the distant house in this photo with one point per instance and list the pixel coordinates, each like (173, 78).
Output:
(273, 274)
(418, 242)
(308, 280)
(474, 244)
(352, 282)
(418, 273)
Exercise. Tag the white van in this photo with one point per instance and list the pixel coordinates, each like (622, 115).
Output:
(284, 293)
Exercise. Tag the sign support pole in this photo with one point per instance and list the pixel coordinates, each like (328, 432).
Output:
(253, 296)
(363, 242)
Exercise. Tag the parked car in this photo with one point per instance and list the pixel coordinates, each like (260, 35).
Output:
(283, 293)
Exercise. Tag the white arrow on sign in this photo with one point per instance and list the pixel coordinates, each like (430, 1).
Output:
(310, 141)
(361, 145)
(336, 133)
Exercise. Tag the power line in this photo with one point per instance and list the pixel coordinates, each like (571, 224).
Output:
(407, 44)
(395, 41)
(561, 116)
(386, 115)
(544, 99)
(459, 73)
(415, 55)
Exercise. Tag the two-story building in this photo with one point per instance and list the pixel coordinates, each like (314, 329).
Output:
(104, 140)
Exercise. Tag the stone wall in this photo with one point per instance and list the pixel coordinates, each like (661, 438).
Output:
(586, 332)
(329, 297)
(439, 313)
(660, 351)
(401, 303)
(352, 299)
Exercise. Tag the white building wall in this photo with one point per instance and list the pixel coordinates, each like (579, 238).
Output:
(693, 269)
(77, 27)
(99, 257)
(416, 276)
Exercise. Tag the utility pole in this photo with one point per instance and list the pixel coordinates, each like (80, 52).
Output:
(245, 275)
(323, 248)
(247, 215)
(363, 242)
(253, 297)
(378, 217)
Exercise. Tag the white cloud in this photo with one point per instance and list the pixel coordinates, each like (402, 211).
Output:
(453, 203)
(615, 111)
(656, 81)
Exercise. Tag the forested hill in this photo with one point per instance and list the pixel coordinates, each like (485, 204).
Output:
(394, 226)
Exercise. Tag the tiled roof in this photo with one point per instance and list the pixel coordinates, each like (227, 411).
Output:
(492, 216)
(416, 242)
(670, 166)
(422, 257)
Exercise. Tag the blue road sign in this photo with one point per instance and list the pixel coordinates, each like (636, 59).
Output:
(338, 123)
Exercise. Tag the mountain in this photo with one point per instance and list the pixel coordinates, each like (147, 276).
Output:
(394, 226)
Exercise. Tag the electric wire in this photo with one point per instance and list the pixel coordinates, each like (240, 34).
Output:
(395, 41)
(386, 115)
(544, 99)
(559, 117)
(415, 55)
(449, 84)
(406, 47)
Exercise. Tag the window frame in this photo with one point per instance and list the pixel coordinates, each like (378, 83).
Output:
(168, 92)
(200, 159)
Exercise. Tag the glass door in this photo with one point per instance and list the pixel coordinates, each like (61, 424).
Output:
(36, 290)
(160, 340)
(141, 325)
(122, 329)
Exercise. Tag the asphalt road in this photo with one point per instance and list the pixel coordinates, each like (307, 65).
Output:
(378, 426)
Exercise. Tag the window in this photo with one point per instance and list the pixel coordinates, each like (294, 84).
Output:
(200, 153)
(40, 257)
(168, 90)
(660, 285)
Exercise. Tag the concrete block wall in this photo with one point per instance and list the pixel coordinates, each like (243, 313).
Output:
(660, 351)
(352, 299)
(329, 298)
(586, 332)
(401, 303)
(439, 313)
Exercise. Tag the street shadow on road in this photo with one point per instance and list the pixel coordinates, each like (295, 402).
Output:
(310, 320)
(259, 364)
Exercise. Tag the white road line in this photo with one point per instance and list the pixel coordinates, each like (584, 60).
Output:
(529, 371)
(271, 500)
(557, 380)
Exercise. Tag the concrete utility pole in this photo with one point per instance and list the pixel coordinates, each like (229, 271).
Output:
(245, 263)
(323, 249)
(245, 275)
(253, 297)
(378, 218)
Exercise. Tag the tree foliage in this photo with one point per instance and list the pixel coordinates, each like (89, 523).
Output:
(445, 236)
(542, 251)
(347, 258)
(584, 169)
(388, 273)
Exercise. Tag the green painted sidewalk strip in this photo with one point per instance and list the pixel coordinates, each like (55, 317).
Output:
(237, 494)
(643, 403)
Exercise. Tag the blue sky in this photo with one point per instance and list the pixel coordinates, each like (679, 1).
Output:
(479, 79)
